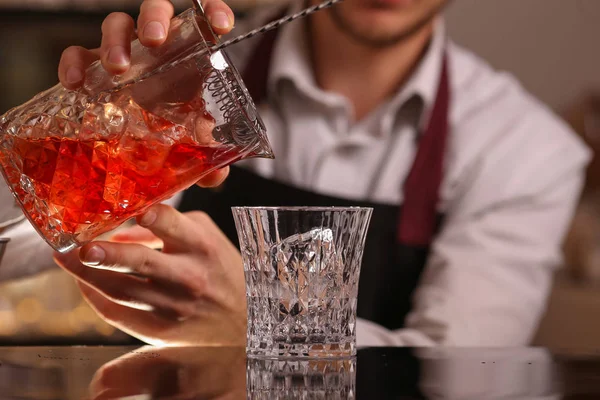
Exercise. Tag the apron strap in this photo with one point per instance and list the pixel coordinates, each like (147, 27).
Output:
(256, 73)
(418, 221)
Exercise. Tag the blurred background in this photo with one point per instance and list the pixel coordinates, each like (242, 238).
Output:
(550, 45)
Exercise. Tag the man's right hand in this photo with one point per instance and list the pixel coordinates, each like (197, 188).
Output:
(118, 30)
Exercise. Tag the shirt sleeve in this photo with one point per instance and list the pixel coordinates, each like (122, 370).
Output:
(490, 269)
(26, 253)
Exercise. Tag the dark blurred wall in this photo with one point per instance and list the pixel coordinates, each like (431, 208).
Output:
(551, 46)
(30, 49)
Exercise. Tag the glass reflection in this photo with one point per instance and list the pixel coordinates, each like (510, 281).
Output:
(101, 373)
(301, 379)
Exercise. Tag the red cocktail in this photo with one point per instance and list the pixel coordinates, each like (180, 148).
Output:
(81, 163)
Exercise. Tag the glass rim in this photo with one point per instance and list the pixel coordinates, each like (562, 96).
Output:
(301, 208)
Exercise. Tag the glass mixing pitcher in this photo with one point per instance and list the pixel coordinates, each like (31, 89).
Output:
(82, 162)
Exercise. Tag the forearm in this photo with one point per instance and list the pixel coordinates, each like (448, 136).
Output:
(474, 308)
(488, 277)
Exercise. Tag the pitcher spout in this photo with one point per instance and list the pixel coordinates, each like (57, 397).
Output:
(263, 150)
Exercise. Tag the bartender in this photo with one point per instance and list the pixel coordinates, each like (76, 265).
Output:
(473, 181)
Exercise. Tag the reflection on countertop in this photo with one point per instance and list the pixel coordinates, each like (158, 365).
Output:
(75, 373)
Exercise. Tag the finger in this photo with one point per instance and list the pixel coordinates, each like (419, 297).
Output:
(170, 278)
(214, 179)
(129, 258)
(107, 282)
(125, 318)
(154, 21)
(219, 15)
(72, 66)
(176, 230)
(203, 125)
(71, 264)
(117, 30)
(158, 331)
(127, 290)
(139, 235)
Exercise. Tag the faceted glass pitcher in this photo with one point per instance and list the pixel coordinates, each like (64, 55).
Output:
(82, 162)
(302, 267)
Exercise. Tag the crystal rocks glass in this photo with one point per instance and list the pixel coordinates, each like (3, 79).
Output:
(302, 267)
(82, 162)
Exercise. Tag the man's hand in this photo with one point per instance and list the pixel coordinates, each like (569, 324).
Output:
(118, 30)
(191, 293)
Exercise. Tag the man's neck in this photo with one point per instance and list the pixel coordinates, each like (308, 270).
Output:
(367, 76)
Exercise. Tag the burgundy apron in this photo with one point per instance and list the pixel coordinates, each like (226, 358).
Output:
(399, 237)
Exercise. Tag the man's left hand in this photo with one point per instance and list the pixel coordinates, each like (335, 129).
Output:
(190, 293)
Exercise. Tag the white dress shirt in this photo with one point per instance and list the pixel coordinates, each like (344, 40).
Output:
(513, 173)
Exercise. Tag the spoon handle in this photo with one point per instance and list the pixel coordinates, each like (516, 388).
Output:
(275, 24)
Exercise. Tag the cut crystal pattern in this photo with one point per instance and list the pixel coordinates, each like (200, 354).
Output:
(82, 162)
(271, 379)
(302, 287)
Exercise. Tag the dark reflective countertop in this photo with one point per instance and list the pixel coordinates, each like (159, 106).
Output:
(76, 373)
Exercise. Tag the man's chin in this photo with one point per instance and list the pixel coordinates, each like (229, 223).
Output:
(376, 29)
(380, 26)
(388, 4)
(377, 40)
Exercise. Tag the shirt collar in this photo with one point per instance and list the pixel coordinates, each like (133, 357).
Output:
(291, 62)
(425, 80)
